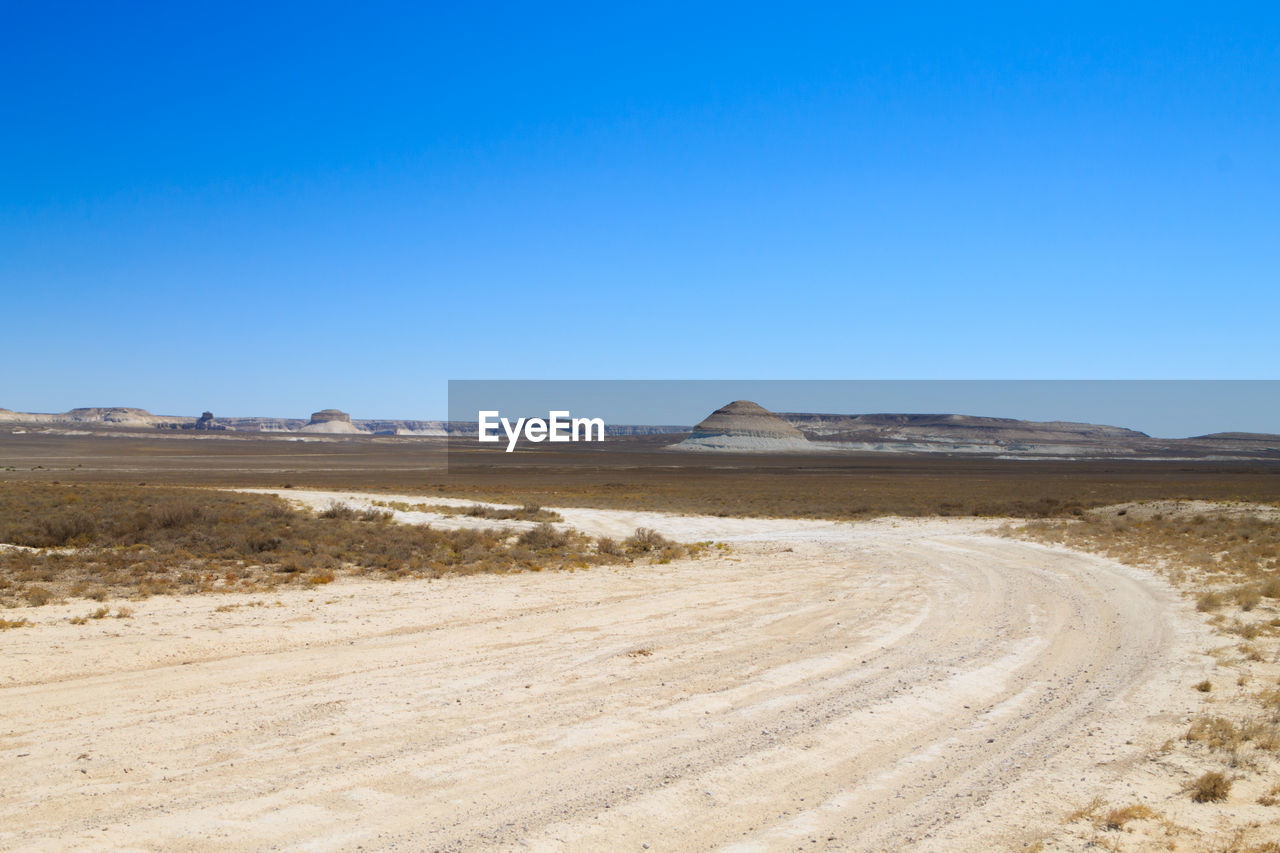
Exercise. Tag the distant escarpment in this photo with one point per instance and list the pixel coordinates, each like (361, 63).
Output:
(746, 427)
(963, 433)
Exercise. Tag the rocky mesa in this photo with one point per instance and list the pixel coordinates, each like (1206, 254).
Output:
(746, 427)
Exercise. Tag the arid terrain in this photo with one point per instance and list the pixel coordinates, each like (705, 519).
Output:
(904, 684)
(636, 473)
(837, 666)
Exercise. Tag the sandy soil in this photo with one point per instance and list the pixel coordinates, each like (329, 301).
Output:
(883, 685)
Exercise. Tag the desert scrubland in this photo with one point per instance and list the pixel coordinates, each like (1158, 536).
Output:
(434, 673)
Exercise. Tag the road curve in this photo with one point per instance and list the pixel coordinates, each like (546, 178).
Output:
(821, 686)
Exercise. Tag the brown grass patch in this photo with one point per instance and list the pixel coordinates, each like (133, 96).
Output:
(1117, 818)
(111, 541)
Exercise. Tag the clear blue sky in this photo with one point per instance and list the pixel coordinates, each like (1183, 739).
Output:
(271, 208)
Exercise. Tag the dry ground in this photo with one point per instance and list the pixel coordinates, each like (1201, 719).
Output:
(631, 474)
(897, 684)
(1220, 779)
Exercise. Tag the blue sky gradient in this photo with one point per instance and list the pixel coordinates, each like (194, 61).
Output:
(274, 210)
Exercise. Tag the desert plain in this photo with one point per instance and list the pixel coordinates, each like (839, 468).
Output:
(893, 679)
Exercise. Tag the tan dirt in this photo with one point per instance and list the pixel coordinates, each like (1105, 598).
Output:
(905, 685)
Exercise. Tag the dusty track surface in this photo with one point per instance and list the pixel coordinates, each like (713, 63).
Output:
(884, 685)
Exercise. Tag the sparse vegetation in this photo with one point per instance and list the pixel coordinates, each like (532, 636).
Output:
(648, 541)
(1227, 559)
(528, 512)
(1087, 811)
(639, 476)
(1208, 601)
(97, 542)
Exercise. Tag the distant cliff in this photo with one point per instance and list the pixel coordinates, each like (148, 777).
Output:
(739, 427)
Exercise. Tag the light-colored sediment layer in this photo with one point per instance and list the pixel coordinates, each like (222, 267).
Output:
(909, 685)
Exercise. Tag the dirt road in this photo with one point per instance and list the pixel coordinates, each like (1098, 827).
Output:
(820, 686)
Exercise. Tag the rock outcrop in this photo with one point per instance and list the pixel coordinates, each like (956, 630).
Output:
(330, 421)
(746, 427)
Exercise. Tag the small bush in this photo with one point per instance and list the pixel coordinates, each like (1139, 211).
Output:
(1088, 810)
(1212, 787)
(1248, 597)
(1208, 601)
(644, 540)
(61, 530)
(1248, 630)
(339, 510)
(543, 537)
(1204, 686)
(1117, 818)
(38, 596)
(1214, 732)
(179, 515)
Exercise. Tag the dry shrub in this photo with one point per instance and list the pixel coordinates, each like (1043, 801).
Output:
(1248, 597)
(1208, 601)
(528, 512)
(1247, 630)
(67, 529)
(1117, 818)
(543, 537)
(1214, 732)
(339, 510)
(1212, 787)
(1088, 810)
(38, 596)
(644, 540)
(182, 514)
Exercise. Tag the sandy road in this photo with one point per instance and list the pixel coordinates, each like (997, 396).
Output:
(888, 685)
